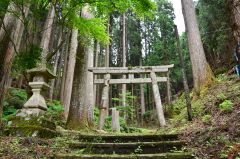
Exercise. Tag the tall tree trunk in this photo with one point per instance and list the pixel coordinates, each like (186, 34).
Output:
(47, 35)
(107, 62)
(81, 107)
(19, 81)
(185, 83)
(59, 75)
(96, 87)
(202, 73)
(64, 73)
(143, 109)
(8, 37)
(70, 72)
(57, 56)
(90, 100)
(52, 38)
(234, 9)
(107, 47)
(124, 87)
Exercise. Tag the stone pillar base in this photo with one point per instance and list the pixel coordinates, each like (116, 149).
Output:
(30, 112)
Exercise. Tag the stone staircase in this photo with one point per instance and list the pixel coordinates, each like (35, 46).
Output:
(127, 146)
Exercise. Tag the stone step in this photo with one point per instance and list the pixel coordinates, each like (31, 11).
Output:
(185, 155)
(128, 138)
(129, 148)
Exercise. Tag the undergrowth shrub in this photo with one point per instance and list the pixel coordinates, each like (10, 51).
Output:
(55, 110)
(96, 115)
(21, 93)
(108, 124)
(128, 110)
(14, 99)
(206, 118)
(227, 106)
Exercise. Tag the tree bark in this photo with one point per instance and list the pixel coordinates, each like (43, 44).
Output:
(52, 38)
(64, 73)
(8, 37)
(47, 35)
(107, 47)
(96, 87)
(59, 75)
(143, 106)
(234, 9)
(143, 109)
(57, 56)
(202, 73)
(70, 72)
(124, 87)
(81, 108)
(90, 100)
(107, 63)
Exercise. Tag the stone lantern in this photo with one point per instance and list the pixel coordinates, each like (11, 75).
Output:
(36, 105)
(32, 120)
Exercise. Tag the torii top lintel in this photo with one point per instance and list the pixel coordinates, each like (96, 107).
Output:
(130, 70)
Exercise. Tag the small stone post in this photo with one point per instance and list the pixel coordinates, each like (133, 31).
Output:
(115, 120)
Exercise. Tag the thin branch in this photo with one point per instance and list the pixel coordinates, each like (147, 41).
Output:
(216, 31)
(50, 55)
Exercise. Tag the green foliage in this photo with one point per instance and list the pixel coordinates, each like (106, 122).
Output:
(227, 106)
(9, 112)
(95, 27)
(217, 39)
(148, 115)
(179, 105)
(141, 8)
(206, 118)
(21, 93)
(54, 105)
(160, 46)
(14, 100)
(108, 124)
(221, 96)
(55, 109)
(81, 151)
(96, 115)
(138, 150)
(128, 109)
(28, 58)
(122, 125)
(66, 13)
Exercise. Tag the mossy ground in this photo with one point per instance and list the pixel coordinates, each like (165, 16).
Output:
(32, 147)
(215, 131)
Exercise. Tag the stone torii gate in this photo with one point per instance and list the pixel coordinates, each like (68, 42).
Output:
(152, 70)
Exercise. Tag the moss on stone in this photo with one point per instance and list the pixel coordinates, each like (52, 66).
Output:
(36, 121)
(30, 131)
(31, 126)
